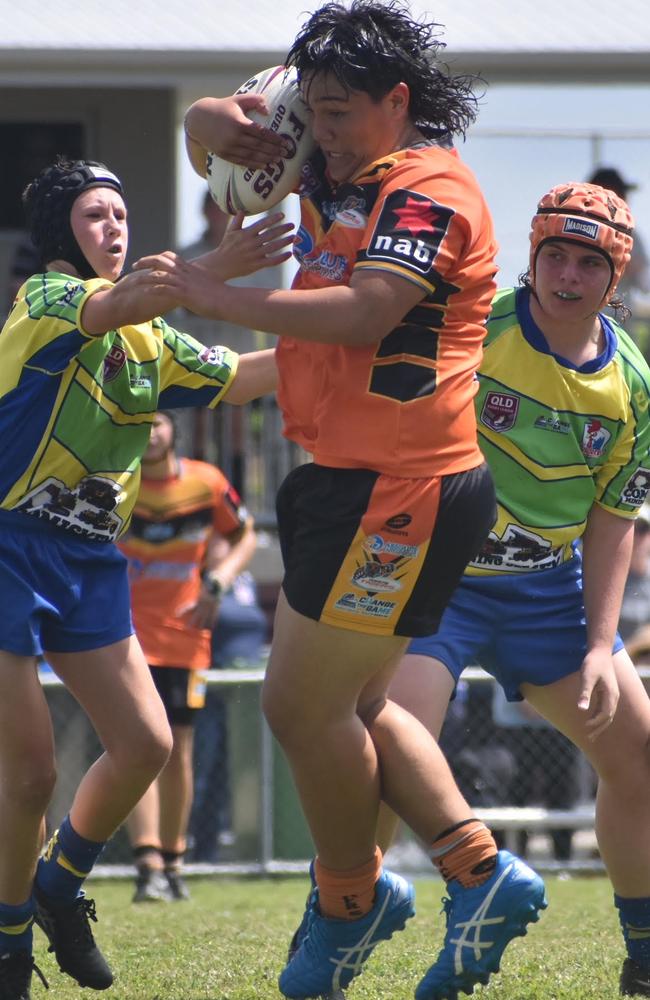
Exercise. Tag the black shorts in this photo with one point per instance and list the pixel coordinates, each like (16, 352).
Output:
(379, 554)
(182, 692)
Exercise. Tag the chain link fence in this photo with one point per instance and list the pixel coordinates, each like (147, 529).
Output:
(527, 781)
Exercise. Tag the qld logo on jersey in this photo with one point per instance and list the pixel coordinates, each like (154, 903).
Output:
(595, 438)
(409, 230)
(499, 411)
(113, 363)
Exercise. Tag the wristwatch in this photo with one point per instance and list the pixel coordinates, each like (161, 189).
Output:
(212, 584)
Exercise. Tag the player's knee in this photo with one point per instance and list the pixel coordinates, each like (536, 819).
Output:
(148, 752)
(289, 722)
(28, 789)
(159, 748)
(628, 769)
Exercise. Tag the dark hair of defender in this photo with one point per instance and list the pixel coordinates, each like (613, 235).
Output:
(371, 46)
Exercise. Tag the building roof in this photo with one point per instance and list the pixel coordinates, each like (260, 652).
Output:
(204, 29)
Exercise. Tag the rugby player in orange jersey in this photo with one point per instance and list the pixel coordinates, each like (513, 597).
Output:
(379, 340)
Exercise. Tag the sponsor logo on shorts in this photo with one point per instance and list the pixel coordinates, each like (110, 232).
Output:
(113, 363)
(581, 227)
(376, 577)
(595, 438)
(636, 488)
(398, 521)
(375, 543)
(372, 607)
(499, 411)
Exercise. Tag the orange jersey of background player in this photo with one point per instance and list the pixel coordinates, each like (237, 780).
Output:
(172, 524)
(403, 406)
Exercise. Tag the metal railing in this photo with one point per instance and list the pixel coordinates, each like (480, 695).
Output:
(268, 829)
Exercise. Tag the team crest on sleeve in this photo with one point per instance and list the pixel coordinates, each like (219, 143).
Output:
(499, 411)
(213, 356)
(635, 492)
(409, 230)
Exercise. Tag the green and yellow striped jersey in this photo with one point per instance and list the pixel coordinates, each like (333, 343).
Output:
(557, 438)
(76, 410)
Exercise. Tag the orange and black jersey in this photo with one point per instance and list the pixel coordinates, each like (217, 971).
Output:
(402, 406)
(172, 524)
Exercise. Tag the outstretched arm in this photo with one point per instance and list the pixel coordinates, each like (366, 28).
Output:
(245, 249)
(136, 298)
(140, 296)
(360, 313)
(256, 375)
(607, 547)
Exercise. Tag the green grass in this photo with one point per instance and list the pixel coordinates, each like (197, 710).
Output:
(229, 942)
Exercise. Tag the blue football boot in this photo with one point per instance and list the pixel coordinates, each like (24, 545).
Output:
(301, 931)
(332, 952)
(480, 923)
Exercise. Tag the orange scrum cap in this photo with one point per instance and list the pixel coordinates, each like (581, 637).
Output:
(587, 214)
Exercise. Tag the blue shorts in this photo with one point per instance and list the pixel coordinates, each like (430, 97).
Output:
(61, 593)
(521, 628)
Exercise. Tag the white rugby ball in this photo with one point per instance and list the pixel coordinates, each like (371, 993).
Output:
(253, 189)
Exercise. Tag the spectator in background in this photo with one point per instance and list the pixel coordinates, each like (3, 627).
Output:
(189, 539)
(637, 273)
(238, 641)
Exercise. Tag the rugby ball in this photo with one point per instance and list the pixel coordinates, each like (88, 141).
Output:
(251, 189)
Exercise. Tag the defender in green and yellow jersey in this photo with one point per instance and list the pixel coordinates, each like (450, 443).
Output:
(85, 362)
(563, 420)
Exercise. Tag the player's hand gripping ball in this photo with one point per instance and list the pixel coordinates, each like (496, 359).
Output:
(250, 189)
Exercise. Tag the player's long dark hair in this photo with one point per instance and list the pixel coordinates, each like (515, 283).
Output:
(371, 46)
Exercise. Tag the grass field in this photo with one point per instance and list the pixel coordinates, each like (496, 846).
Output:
(229, 942)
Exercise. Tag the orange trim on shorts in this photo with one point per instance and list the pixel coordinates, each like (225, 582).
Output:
(382, 567)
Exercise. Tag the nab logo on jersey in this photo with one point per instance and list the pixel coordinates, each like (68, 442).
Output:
(409, 230)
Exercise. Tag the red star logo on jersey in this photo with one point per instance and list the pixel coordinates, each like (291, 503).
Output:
(416, 216)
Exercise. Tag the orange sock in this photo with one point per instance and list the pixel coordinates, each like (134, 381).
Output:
(348, 895)
(466, 852)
